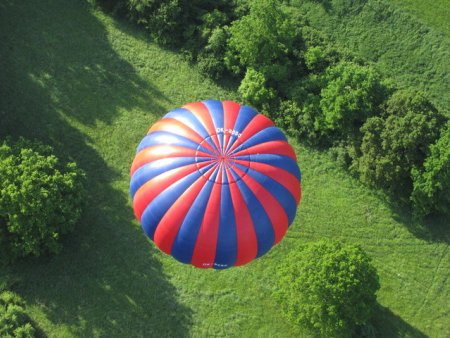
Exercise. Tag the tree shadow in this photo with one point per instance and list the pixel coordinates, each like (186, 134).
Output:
(68, 52)
(226, 81)
(386, 324)
(58, 70)
(432, 228)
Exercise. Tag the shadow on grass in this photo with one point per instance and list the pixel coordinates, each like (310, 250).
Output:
(57, 68)
(433, 228)
(226, 81)
(388, 324)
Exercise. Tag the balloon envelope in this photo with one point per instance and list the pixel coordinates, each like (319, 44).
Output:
(215, 184)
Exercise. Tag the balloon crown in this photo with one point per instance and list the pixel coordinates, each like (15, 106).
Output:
(215, 184)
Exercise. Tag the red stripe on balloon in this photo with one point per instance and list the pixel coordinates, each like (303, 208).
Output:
(176, 127)
(152, 188)
(271, 147)
(154, 153)
(206, 244)
(247, 243)
(273, 209)
(284, 177)
(258, 123)
(231, 112)
(200, 110)
(170, 223)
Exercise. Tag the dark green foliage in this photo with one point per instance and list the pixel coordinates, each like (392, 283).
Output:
(315, 59)
(116, 7)
(352, 94)
(211, 59)
(163, 18)
(328, 287)
(180, 23)
(395, 143)
(254, 90)
(287, 116)
(40, 199)
(14, 323)
(263, 40)
(298, 119)
(431, 186)
(211, 21)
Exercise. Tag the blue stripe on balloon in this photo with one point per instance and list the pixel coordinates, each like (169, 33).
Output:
(275, 160)
(265, 135)
(165, 138)
(281, 194)
(226, 250)
(184, 244)
(157, 208)
(215, 109)
(265, 235)
(158, 167)
(186, 117)
(245, 115)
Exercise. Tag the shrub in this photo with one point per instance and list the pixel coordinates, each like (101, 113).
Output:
(13, 320)
(328, 288)
(431, 186)
(395, 143)
(352, 94)
(253, 89)
(40, 198)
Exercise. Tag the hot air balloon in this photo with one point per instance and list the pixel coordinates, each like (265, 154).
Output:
(215, 184)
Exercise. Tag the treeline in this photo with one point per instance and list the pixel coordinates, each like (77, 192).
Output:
(392, 139)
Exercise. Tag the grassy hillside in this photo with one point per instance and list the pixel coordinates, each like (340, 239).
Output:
(435, 13)
(91, 87)
(401, 46)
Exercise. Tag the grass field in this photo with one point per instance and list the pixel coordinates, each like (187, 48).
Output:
(91, 87)
(435, 13)
(406, 51)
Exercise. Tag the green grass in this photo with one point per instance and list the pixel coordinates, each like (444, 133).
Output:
(434, 13)
(91, 87)
(402, 48)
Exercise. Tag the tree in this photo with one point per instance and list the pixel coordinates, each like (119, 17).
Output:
(328, 287)
(180, 22)
(431, 186)
(398, 141)
(352, 93)
(163, 18)
(211, 59)
(262, 40)
(40, 199)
